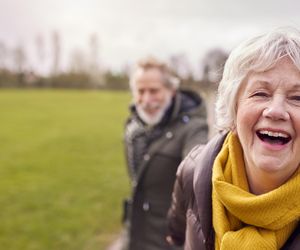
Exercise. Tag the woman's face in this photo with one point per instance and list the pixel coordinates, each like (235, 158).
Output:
(268, 120)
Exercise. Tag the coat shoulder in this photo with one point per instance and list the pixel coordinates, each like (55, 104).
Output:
(186, 169)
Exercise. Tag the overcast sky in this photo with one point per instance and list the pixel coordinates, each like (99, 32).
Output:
(129, 29)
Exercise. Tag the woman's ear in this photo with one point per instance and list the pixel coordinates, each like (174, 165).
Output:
(233, 128)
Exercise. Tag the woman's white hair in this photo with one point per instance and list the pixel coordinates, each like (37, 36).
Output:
(258, 54)
(168, 78)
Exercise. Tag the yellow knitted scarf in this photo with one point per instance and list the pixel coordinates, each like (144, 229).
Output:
(242, 220)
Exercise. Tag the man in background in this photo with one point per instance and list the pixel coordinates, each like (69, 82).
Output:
(164, 125)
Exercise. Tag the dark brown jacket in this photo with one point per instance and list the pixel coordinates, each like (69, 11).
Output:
(190, 216)
(154, 176)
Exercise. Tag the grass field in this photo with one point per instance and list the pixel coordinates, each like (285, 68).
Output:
(62, 172)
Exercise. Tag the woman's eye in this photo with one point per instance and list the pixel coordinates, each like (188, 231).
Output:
(260, 94)
(295, 98)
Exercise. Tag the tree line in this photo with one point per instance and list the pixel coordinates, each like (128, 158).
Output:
(84, 70)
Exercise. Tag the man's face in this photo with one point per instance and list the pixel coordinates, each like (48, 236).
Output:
(151, 96)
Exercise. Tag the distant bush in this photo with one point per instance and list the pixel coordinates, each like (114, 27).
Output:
(8, 79)
(77, 80)
(71, 80)
(116, 80)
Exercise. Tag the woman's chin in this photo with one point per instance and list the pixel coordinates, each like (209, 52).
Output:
(270, 165)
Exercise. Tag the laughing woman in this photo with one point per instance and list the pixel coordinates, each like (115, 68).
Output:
(242, 190)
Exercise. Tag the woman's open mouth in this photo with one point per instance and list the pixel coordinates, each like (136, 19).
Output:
(271, 137)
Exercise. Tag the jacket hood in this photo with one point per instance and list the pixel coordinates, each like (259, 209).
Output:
(188, 103)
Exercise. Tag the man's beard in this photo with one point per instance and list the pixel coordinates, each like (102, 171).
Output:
(152, 120)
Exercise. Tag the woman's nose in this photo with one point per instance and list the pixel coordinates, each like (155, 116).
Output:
(276, 109)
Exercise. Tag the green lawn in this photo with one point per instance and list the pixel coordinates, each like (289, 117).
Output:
(62, 172)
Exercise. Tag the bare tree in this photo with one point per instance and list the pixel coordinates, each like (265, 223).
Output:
(180, 64)
(19, 57)
(56, 41)
(40, 48)
(213, 64)
(40, 53)
(3, 55)
(95, 71)
(19, 64)
(78, 62)
(94, 53)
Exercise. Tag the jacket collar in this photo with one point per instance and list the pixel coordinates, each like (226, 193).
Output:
(203, 184)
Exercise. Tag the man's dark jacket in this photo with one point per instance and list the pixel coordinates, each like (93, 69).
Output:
(153, 156)
(190, 216)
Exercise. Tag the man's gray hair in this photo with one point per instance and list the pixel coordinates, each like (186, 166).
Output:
(168, 78)
(258, 54)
